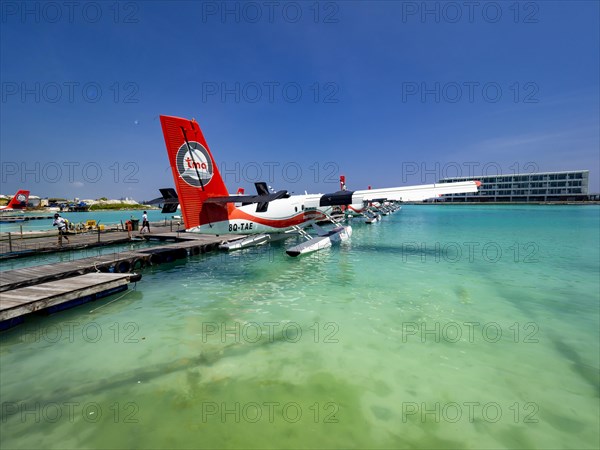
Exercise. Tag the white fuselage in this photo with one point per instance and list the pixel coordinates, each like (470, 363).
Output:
(281, 216)
(296, 211)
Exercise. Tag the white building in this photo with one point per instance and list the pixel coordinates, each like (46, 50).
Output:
(526, 187)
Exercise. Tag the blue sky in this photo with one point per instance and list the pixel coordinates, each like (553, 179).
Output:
(295, 93)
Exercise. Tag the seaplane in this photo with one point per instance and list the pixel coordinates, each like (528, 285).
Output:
(207, 207)
(370, 210)
(15, 210)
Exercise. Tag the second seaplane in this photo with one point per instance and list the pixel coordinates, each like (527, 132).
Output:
(207, 207)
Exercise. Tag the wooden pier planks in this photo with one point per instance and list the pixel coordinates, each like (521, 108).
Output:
(30, 289)
(17, 278)
(49, 244)
(18, 302)
(27, 247)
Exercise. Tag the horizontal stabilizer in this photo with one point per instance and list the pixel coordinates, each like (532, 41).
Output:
(168, 193)
(171, 200)
(169, 208)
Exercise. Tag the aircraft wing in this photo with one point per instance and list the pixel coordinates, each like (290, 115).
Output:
(404, 194)
(419, 192)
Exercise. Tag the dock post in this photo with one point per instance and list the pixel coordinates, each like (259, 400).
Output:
(9, 242)
(171, 226)
(98, 235)
(21, 227)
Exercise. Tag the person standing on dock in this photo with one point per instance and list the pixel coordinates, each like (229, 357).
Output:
(61, 223)
(145, 223)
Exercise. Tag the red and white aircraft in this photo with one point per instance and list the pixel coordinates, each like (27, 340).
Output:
(208, 208)
(16, 206)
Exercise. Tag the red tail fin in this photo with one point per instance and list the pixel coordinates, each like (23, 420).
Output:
(19, 201)
(195, 172)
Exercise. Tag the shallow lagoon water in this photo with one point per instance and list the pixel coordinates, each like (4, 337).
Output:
(442, 326)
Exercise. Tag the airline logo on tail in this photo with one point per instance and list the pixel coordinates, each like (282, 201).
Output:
(19, 201)
(195, 172)
(194, 164)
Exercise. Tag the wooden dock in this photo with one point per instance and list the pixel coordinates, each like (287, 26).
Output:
(119, 262)
(24, 218)
(29, 276)
(61, 294)
(17, 246)
(50, 287)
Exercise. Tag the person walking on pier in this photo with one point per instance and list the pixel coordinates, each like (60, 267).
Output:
(61, 223)
(145, 223)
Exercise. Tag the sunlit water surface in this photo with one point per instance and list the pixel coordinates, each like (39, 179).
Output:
(441, 326)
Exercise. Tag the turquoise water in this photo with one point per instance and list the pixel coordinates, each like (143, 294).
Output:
(442, 326)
